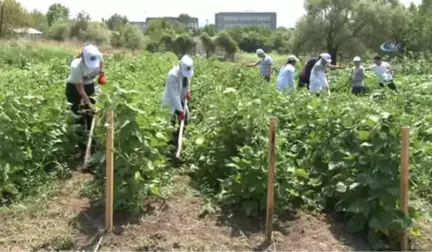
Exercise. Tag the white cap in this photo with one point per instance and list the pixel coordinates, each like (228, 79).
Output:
(326, 57)
(186, 66)
(92, 56)
(293, 57)
(357, 59)
(260, 51)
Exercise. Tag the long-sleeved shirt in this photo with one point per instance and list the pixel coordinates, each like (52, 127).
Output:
(176, 89)
(286, 78)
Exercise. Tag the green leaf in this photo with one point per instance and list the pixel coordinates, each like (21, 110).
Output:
(366, 145)
(341, 187)
(160, 135)
(302, 173)
(199, 141)
(137, 177)
(356, 224)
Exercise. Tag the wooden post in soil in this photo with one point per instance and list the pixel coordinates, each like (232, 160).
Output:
(271, 178)
(109, 193)
(404, 182)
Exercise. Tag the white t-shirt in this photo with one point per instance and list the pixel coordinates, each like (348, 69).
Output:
(79, 72)
(382, 71)
(318, 79)
(286, 77)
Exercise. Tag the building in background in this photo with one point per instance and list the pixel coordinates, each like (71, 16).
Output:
(190, 22)
(225, 20)
(29, 33)
(140, 24)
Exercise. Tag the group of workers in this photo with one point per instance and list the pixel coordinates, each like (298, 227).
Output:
(314, 73)
(81, 90)
(89, 65)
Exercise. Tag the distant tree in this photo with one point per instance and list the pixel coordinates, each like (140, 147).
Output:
(12, 15)
(39, 21)
(185, 18)
(80, 25)
(57, 11)
(224, 41)
(211, 30)
(128, 36)
(208, 43)
(156, 28)
(133, 37)
(96, 33)
(183, 44)
(166, 42)
(116, 21)
(344, 25)
(59, 30)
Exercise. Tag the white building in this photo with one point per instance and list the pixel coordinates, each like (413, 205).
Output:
(29, 33)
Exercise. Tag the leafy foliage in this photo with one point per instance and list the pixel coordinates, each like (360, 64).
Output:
(336, 153)
(57, 11)
(142, 130)
(339, 153)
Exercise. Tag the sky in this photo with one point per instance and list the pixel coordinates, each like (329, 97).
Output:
(204, 10)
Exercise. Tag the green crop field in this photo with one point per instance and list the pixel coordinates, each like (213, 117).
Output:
(335, 154)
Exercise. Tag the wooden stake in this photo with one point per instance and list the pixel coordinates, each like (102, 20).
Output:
(271, 177)
(404, 182)
(109, 173)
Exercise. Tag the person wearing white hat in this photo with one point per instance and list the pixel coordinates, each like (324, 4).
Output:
(265, 62)
(177, 90)
(80, 87)
(357, 76)
(318, 78)
(286, 78)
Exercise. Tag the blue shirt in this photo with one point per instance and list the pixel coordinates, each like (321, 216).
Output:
(265, 66)
(286, 77)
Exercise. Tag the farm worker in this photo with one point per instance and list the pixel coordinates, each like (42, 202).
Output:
(306, 72)
(286, 77)
(177, 89)
(318, 78)
(383, 71)
(80, 87)
(265, 62)
(357, 76)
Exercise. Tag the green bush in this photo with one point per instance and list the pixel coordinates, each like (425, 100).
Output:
(339, 153)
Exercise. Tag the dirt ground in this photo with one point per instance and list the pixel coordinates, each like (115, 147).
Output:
(64, 220)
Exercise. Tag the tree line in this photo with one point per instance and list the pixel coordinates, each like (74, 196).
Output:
(341, 27)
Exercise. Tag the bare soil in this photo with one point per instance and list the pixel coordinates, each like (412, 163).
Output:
(67, 221)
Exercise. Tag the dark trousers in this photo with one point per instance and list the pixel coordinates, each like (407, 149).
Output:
(389, 84)
(357, 90)
(267, 78)
(81, 119)
(303, 83)
(175, 119)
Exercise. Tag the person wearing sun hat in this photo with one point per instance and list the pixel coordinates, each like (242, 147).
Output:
(177, 90)
(80, 87)
(357, 76)
(286, 77)
(318, 78)
(265, 62)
